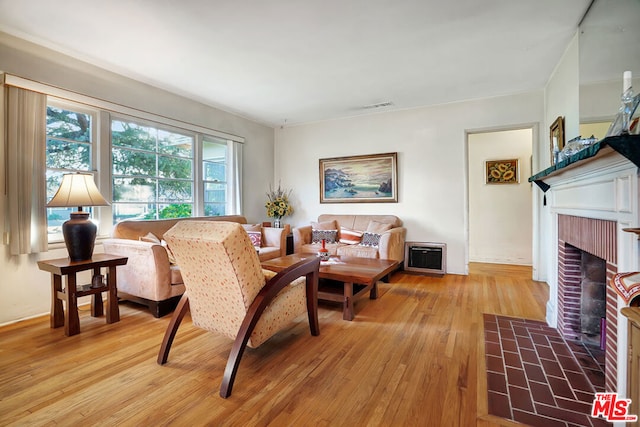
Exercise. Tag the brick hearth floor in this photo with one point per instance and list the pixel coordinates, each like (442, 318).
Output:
(535, 377)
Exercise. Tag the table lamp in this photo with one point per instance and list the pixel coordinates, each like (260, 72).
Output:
(78, 189)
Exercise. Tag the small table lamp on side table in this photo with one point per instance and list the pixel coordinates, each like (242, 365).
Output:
(78, 189)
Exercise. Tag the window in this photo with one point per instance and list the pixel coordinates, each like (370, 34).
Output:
(152, 172)
(70, 148)
(147, 168)
(214, 175)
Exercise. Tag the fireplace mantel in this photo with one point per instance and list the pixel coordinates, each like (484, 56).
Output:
(626, 145)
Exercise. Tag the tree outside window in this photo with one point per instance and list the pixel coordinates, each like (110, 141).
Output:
(152, 172)
(69, 149)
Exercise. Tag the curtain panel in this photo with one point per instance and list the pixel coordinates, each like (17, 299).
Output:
(235, 180)
(26, 171)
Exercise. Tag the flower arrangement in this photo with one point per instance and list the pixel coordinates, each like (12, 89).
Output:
(278, 203)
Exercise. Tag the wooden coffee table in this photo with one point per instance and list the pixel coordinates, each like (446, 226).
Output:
(354, 277)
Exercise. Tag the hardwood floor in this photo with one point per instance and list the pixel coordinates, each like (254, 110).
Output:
(412, 357)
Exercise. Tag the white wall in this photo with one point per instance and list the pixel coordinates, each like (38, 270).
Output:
(562, 94)
(601, 101)
(561, 98)
(24, 290)
(500, 215)
(432, 174)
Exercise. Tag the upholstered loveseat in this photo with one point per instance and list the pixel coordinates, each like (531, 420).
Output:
(367, 236)
(151, 276)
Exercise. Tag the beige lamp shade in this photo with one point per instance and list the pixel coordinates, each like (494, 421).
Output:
(77, 189)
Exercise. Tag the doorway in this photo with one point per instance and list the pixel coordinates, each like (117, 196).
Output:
(500, 205)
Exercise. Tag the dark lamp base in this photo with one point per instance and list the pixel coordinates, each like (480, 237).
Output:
(79, 236)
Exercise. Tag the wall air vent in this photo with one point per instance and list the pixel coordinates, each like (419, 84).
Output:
(378, 105)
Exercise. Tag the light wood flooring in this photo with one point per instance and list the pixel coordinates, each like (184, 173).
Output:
(413, 357)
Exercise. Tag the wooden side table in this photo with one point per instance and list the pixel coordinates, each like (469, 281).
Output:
(65, 267)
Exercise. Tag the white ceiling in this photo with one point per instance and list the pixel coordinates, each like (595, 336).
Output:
(294, 61)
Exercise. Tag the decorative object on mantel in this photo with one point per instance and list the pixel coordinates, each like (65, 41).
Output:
(501, 171)
(556, 137)
(627, 285)
(574, 146)
(278, 205)
(621, 124)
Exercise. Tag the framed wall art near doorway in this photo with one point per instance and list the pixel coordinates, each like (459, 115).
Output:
(502, 171)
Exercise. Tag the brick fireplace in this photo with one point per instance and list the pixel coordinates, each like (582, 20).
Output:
(599, 238)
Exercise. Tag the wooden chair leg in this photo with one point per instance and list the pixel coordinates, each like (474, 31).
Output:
(312, 302)
(233, 362)
(172, 328)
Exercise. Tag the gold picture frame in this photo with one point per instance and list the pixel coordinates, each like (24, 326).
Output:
(556, 137)
(502, 171)
(370, 178)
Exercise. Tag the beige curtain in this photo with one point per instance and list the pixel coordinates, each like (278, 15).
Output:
(26, 171)
(235, 178)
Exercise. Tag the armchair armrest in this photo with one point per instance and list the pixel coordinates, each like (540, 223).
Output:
(147, 274)
(276, 237)
(301, 236)
(391, 245)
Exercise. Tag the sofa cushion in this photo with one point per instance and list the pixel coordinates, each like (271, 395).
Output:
(378, 227)
(324, 225)
(176, 276)
(313, 248)
(349, 236)
(358, 251)
(329, 236)
(268, 252)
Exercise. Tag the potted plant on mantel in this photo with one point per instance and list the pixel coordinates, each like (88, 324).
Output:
(278, 205)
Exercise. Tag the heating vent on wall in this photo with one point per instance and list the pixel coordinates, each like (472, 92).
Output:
(425, 257)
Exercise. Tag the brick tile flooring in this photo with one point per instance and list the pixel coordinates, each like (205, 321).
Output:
(535, 377)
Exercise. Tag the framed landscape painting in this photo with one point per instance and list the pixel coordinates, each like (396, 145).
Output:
(370, 178)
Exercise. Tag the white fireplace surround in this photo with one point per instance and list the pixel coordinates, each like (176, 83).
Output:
(602, 187)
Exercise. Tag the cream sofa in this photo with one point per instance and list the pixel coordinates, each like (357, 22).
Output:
(389, 246)
(150, 277)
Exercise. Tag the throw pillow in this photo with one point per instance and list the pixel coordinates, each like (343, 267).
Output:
(252, 227)
(256, 238)
(378, 227)
(149, 237)
(326, 225)
(370, 239)
(172, 258)
(349, 236)
(329, 236)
